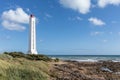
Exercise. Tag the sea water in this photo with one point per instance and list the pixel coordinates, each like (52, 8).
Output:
(88, 58)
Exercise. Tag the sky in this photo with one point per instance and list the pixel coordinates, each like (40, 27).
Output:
(64, 27)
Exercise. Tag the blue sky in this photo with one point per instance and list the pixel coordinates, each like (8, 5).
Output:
(69, 27)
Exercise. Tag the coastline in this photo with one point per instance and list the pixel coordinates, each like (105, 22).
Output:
(74, 70)
(42, 67)
(87, 58)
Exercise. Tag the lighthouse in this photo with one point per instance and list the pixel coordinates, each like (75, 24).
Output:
(32, 35)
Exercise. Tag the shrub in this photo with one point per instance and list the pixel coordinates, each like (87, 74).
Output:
(28, 56)
(15, 54)
(38, 57)
(56, 60)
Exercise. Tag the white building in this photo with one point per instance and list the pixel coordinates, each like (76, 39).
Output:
(32, 36)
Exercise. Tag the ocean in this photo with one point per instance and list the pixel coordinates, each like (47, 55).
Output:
(88, 58)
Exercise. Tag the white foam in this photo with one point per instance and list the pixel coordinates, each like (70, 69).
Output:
(88, 60)
(116, 60)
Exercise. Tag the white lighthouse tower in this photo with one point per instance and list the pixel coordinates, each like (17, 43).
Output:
(32, 36)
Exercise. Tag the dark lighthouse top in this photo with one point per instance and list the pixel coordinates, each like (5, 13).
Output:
(31, 15)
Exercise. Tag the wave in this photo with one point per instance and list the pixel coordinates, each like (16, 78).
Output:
(88, 59)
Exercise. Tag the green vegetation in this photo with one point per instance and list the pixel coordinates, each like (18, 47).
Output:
(28, 56)
(19, 66)
(56, 60)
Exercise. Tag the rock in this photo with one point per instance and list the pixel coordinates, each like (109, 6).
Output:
(118, 73)
(73, 70)
(106, 69)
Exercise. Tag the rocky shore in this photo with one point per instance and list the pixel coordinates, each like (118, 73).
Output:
(73, 70)
(19, 66)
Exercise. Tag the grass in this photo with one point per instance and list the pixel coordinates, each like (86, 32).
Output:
(28, 56)
(21, 67)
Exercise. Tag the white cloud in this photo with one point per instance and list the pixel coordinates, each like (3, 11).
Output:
(17, 15)
(104, 3)
(15, 19)
(96, 21)
(48, 15)
(12, 26)
(96, 33)
(82, 6)
(28, 10)
(78, 18)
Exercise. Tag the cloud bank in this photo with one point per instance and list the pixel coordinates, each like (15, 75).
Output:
(15, 19)
(82, 6)
(104, 3)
